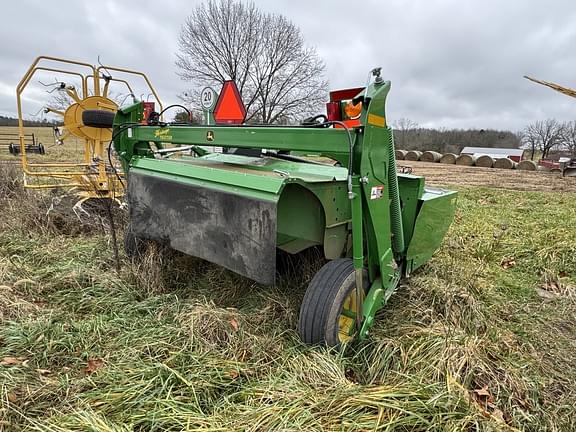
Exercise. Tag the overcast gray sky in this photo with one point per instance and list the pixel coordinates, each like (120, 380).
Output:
(452, 63)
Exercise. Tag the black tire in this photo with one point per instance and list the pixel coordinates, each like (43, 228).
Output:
(98, 118)
(324, 300)
(134, 246)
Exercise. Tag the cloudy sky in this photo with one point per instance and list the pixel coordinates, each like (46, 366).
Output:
(452, 63)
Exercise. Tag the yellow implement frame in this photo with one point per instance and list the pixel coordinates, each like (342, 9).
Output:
(93, 177)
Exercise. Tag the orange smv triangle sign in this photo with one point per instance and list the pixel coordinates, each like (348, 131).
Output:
(229, 107)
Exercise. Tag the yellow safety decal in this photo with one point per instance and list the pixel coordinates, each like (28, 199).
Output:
(376, 120)
(163, 134)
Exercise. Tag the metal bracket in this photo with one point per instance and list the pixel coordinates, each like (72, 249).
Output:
(376, 298)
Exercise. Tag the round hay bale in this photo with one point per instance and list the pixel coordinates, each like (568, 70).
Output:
(527, 165)
(504, 163)
(430, 156)
(485, 161)
(401, 154)
(448, 158)
(413, 155)
(466, 160)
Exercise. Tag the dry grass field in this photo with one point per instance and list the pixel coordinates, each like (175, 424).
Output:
(71, 150)
(441, 174)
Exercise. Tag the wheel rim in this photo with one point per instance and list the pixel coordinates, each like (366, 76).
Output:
(347, 318)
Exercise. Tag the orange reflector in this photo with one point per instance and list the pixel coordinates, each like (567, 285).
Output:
(353, 111)
(229, 107)
(350, 123)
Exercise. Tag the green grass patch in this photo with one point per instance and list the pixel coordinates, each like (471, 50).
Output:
(482, 338)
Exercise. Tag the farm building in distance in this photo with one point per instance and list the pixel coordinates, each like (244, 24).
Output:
(494, 152)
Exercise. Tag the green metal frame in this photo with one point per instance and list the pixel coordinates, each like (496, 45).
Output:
(375, 209)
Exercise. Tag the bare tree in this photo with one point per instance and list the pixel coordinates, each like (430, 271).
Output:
(402, 128)
(569, 136)
(60, 100)
(528, 141)
(543, 135)
(278, 77)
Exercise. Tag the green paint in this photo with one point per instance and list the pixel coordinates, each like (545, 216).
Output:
(390, 225)
(435, 217)
(357, 234)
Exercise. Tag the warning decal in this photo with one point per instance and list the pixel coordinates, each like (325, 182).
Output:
(376, 192)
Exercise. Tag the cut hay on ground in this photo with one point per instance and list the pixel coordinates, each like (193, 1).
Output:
(413, 155)
(401, 154)
(448, 158)
(527, 165)
(546, 169)
(466, 160)
(430, 156)
(485, 161)
(504, 163)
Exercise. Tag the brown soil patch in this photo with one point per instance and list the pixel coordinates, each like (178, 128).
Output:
(440, 174)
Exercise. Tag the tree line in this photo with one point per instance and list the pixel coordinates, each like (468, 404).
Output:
(10, 121)
(542, 138)
(409, 136)
(549, 136)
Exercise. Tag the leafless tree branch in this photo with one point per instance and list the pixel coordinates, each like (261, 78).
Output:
(543, 135)
(279, 78)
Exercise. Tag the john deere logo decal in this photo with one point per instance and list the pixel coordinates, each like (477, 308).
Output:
(210, 135)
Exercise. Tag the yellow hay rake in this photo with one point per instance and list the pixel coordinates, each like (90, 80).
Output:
(89, 175)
